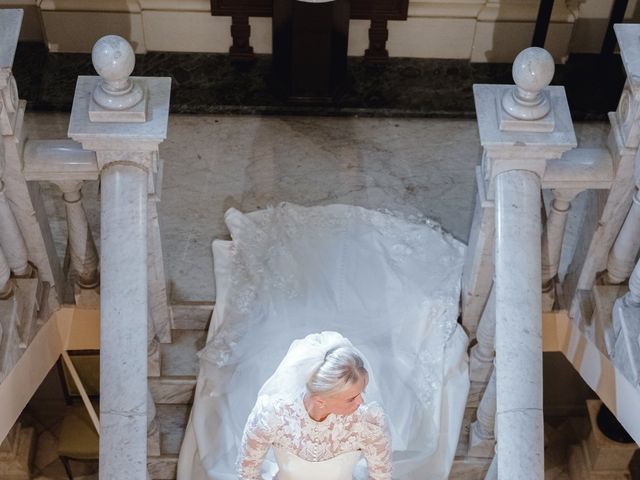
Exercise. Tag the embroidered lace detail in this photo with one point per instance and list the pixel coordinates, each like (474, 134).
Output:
(265, 269)
(285, 424)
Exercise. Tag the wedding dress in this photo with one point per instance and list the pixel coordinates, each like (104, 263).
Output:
(389, 285)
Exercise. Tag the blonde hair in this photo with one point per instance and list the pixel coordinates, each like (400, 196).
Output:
(341, 368)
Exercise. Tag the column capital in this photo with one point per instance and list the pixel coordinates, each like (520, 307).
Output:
(10, 22)
(523, 126)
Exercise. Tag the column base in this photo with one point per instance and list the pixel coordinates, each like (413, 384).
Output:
(87, 297)
(479, 446)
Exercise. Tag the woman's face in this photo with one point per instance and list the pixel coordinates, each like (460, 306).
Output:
(347, 401)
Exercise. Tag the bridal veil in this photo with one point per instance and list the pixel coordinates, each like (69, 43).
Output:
(389, 285)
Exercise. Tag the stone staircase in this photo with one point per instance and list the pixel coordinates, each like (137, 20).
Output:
(173, 390)
(173, 394)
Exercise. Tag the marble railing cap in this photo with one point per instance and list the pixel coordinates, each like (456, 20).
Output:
(10, 23)
(628, 36)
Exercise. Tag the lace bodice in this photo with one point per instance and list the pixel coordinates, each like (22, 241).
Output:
(285, 424)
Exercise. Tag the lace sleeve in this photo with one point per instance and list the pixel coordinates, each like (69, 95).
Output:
(256, 440)
(377, 444)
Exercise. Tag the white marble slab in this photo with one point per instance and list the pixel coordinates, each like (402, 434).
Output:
(419, 167)
(179, 356)
(10, 22)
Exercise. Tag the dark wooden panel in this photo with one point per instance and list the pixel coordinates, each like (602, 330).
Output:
(250, 8)
(360, 9)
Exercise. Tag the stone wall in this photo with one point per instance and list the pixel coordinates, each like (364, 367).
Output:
(479, 30)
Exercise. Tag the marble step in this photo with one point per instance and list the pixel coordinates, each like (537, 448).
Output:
(179, 358)
(162, 467)
(179, 368)
(191, 315)
(469, 468)
(172, 390)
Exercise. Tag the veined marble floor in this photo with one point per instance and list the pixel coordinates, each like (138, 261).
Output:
(418, 167)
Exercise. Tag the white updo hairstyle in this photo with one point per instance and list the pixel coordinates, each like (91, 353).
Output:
(341, 368)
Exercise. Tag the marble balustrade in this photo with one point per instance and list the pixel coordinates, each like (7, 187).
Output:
(123, 120)
(622, 256)
(523, 128)
(65, 164)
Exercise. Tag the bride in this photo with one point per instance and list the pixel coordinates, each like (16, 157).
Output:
(315, 420)
(389, 285)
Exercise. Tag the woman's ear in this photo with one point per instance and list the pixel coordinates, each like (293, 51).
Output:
(319, 401)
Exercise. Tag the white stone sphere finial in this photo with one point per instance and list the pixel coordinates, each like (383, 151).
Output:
(113, 59)
(533, 71)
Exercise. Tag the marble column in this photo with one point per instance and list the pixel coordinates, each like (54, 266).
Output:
(123, 120)
(522, 128)
(622, 256)
(519, 420)
(552, 239)
(123, 322)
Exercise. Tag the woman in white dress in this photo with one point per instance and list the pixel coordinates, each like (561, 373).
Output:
(318, 432)
(391, 286)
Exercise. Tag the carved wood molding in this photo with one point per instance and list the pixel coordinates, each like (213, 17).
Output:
(378, 11)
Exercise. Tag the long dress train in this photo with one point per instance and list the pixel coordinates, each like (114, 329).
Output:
(389, 285)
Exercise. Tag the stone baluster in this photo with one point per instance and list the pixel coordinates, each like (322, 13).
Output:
(67, 165)
(552, 238)
(24, 225)
(483, 352)
(6, 287)
(521, 129)
(623, 143)
(11, 237)
(123, 120)
(481, 434)
(622, 256)
(82, 248)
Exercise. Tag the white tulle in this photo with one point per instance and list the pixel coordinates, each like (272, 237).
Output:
(389, 285)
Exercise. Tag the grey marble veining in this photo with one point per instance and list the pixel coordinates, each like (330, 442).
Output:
(418, 167)
(179, 356)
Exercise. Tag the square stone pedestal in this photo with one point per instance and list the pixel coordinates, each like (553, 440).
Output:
(598, 457)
